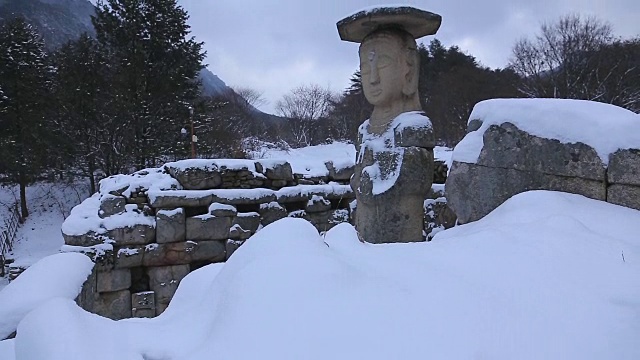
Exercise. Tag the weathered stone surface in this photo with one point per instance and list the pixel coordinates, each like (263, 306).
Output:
(438, 217)
(89, 239)
(416, 22)
(88, 295)
(624, 167)
(113, 305)
(473, 125)
(280, 171)
(114, 280)
(625, 195)
(208, 227)
(397, 214)
(321, 220)
(244, 197)
(170, 226)
(342, 174)
(183, 253)
(408, 136)
(238, 233)
(173, 199)
(222, 210)
(164, 281)
(271, 212)
(508, 147)
(196, 178)
(318, 204)
(129, 257)
(248, 221)
(473, 190)
(143, 304)
(278, 183)
(232, 246)
(111, 205)
(136, 235)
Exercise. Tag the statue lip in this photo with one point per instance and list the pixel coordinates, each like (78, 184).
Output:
(376, 92)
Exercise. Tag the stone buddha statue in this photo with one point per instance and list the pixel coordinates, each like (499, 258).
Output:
(389, 65)
(394, 165)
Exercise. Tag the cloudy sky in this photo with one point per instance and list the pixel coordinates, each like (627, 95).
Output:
(275, 45)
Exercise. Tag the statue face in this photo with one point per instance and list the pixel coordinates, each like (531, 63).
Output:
(383, 68)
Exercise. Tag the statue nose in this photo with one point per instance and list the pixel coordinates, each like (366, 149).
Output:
(374, 78)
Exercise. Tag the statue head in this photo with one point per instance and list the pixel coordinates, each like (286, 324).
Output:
(389, 65)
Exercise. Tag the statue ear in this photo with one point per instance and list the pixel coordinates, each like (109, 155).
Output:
(411, 79)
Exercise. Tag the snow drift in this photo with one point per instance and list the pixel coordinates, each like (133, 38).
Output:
(547, 275)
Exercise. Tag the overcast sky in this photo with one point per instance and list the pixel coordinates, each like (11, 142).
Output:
(274, 46)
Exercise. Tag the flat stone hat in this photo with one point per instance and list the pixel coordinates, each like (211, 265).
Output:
(416, 22)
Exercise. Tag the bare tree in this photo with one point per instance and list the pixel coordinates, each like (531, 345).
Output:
(249, 98)
(305, 106)
(561, 61)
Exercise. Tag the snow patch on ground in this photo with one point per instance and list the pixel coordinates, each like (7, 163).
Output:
(604, 127)
(541, 277)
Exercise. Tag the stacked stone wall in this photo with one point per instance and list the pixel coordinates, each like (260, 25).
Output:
(203, 213)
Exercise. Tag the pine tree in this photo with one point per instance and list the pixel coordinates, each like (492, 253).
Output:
(24, 80)
(84, 96)
(155, 71)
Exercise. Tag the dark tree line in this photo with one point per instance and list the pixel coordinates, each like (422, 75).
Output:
(98, 106)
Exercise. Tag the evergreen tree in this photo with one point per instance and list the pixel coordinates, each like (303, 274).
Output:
(84, 99)
(24, 80)
(155, 72)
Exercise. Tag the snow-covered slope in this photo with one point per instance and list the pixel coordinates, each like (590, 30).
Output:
(547, 275)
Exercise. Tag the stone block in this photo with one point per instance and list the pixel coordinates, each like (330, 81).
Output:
(232, 246)
(196, 178)
(281, 171)
(143, 304)
(271, 212)
(208, 227)
(114, 305)
(248, 221)
(473, 191)
(222, 210)
(139, 234)
(170, 226)
(173, 199)
(164, 281)
(212, 251)
(114, 280)
(508, 147)
(317, 204)
(183, 253)
(85, 240)
(111, 205)
(238, 233)
(624, 167)
(129, 257)
(625, 195)
(341, 174)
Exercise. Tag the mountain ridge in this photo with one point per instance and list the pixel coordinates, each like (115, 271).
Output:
(61, 21)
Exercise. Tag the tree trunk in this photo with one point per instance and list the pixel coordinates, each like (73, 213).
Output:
(23, 195)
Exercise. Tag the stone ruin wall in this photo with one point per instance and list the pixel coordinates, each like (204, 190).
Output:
(214, 213)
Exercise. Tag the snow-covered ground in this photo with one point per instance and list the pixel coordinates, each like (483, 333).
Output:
(547, 275)
(48, 204)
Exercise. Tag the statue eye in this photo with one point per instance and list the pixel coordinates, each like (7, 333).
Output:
(384, 61)
(372, 55)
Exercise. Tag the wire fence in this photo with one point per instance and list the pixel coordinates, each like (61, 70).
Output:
(8, 233)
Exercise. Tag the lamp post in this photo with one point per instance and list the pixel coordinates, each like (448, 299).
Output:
(193, 135)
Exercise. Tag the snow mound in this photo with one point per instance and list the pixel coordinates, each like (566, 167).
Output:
(55, 276)
(604, 127)
(547, 275)
(310, 161)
